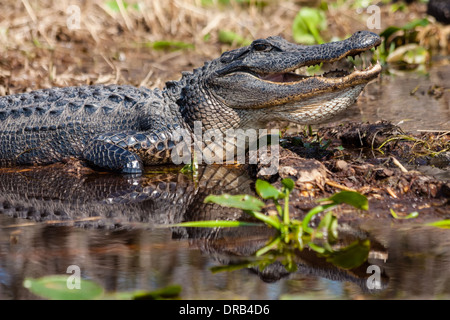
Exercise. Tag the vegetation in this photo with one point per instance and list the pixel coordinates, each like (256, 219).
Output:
(293, 234)
(57, 287)
(444, 224)
(432, 146)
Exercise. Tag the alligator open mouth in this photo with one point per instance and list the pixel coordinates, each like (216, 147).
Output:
(272, 77)
(328, 72)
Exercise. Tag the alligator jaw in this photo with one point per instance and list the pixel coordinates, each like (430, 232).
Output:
(330, 77)
(327, 94)
(263, 77)
(287, 86)
(338, 79)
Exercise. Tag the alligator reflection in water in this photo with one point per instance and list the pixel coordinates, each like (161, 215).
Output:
(120, 259)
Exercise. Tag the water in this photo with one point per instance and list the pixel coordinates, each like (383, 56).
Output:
(112, 226)
(417, 265)
(405, 99)
(73, 221)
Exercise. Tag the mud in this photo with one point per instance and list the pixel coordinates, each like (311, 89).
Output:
(349, 157)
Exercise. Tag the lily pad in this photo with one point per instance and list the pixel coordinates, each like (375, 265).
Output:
(56, 287)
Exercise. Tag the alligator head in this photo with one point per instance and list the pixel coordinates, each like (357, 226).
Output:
(250, 86)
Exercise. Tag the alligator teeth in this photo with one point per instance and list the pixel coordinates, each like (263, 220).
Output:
(301, 71)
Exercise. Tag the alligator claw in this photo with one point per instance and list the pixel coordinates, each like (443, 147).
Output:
(133, 167)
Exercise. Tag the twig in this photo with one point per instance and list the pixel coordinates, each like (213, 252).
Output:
(145, 80)
(433, 131)
(398, 164)
(339, 186)
(124, 14)
(391, 193)
(30, 11)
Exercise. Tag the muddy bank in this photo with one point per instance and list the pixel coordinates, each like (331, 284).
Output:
(370, 158)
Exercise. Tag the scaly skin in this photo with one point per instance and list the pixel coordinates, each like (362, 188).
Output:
(100, 124)
(122, 128)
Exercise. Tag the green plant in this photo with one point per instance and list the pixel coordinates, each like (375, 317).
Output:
(191, 168)
(412, 215)
(232, 38)
(444, 224)
(399, 44)
(114, 5)
(292, 233)
(307, 26)
(55, 287)
(170, 45)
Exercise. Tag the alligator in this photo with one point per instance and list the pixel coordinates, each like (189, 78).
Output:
(123, 128)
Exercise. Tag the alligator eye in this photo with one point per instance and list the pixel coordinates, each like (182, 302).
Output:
(262, 47)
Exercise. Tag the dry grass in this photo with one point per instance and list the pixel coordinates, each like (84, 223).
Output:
(38, 50)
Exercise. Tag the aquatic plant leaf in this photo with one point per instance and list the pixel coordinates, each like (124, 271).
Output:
(237, 266)
(266, 191)
(352, 198)
(389, 31)
(412, 215)
(329, 223)
(316, 248)
(288, 184)
(289, 263)
(269, 220)
(270, 246)
(351, 256)
(186, 169)
(55, 287)
(416, 23)
(407, 27)
(445, 224)
(244, 202)
(404, 34)
(215, 224)
(307, 24)
(312, 213)
(169, 292)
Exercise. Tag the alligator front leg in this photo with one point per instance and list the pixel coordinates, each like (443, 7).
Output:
(128, 152)
(109, 156)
